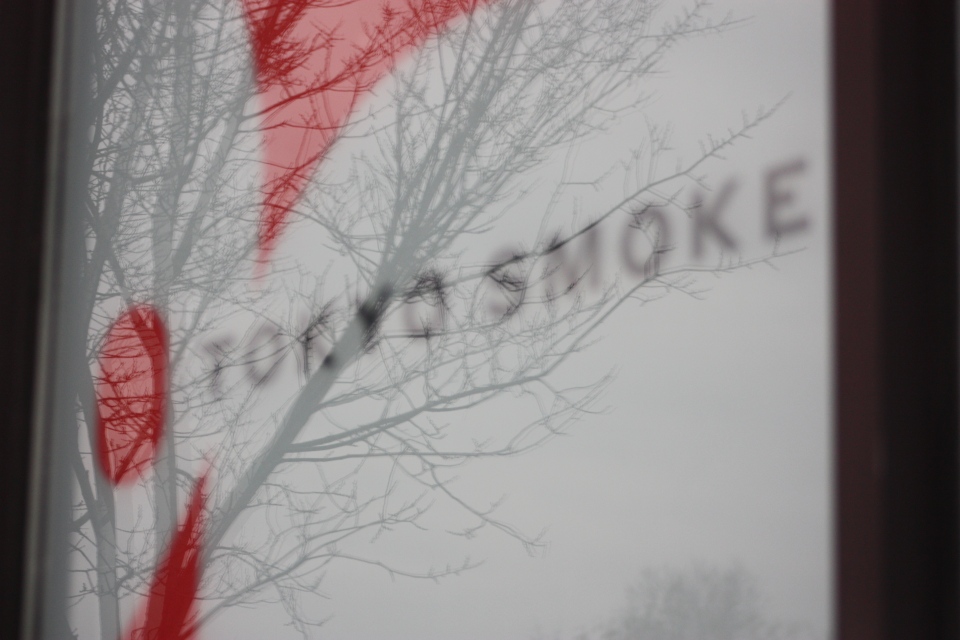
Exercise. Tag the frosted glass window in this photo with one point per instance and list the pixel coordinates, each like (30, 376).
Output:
(444, 319)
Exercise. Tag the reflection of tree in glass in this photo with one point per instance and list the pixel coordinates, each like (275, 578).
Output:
(702, 603)
(360, 441)
(130, 393)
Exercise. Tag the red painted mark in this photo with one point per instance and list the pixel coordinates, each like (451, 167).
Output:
(131, 393)
(315, 60)
(170, 611)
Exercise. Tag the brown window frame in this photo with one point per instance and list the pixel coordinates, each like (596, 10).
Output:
(26, 67)
(896, 299)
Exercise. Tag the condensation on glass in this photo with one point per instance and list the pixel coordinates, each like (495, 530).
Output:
(441, 319)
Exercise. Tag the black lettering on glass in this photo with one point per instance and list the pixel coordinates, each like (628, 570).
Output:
(218, 349)
(659, 237)
(265, 355)
(510, 279)
(779, 197)
(706, 220)
(572, 261)
(428, 288)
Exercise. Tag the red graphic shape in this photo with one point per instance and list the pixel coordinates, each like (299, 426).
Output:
(314, 61)
(171, 605)
(131, 393)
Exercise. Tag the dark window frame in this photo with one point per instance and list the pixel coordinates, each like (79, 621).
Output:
(26, 68)
(896, 299)
(897, 487)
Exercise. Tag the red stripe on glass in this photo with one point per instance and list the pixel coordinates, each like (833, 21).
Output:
(170, 610)
(131, 393)
(315, 61)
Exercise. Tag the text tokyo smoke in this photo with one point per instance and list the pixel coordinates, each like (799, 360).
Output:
(562, 267)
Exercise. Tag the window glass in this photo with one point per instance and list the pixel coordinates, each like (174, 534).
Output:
(443, 319)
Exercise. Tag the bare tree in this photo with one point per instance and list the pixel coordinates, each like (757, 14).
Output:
(329, 410)
(703, 602)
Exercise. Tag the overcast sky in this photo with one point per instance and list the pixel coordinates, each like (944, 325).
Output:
(715, 444)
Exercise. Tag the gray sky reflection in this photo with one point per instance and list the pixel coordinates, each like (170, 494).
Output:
(715, 443)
